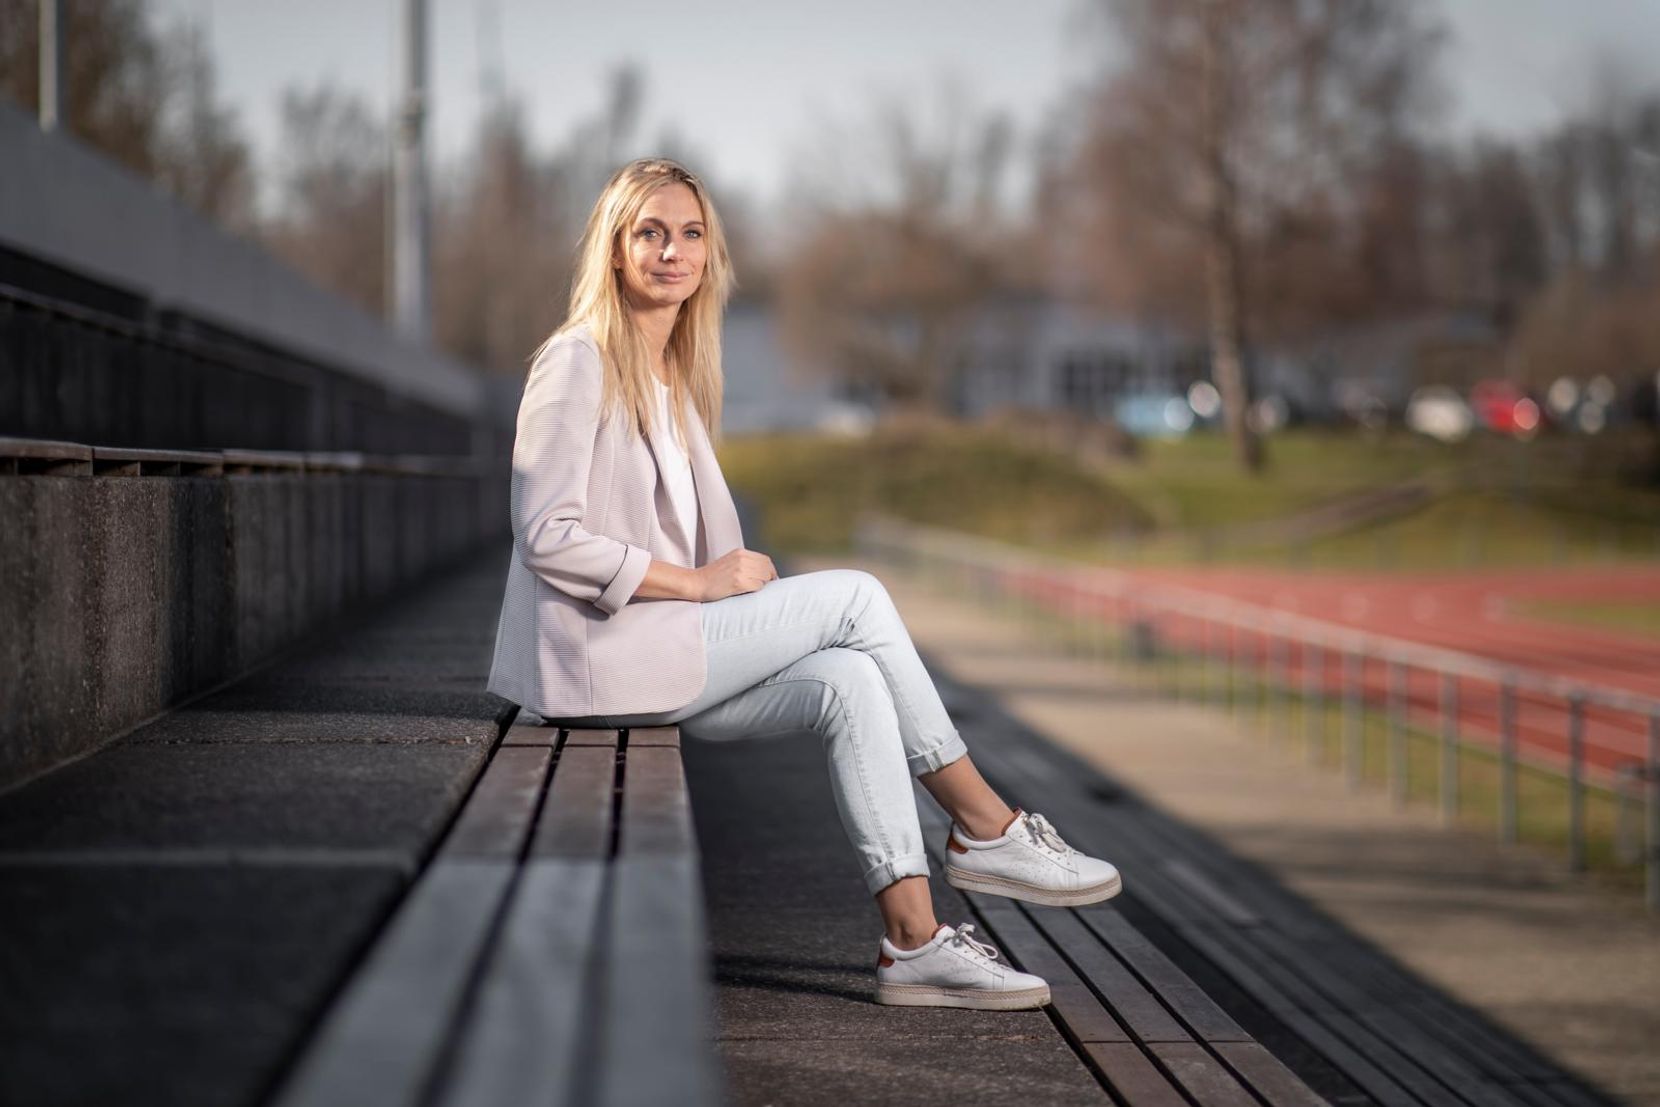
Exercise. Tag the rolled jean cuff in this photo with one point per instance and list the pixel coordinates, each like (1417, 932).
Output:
(880, 876)
(939, 757)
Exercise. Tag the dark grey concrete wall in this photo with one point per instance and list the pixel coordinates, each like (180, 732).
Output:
(119, 596)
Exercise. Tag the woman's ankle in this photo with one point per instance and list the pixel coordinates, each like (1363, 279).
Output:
(909, 937)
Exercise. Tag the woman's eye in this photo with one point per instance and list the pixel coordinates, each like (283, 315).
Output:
(647, 233)
(694, 234)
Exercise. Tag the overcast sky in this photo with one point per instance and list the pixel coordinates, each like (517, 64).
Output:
(739, 83)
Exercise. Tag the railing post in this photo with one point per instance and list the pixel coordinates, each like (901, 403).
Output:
(1280, 716)
(1314, 706)
(1507, 760)
(1652, 779)
(1396, 712)
(1576, 794)
(1230, 661)
(1209, 646)
(1353, 693)
(1449, 747)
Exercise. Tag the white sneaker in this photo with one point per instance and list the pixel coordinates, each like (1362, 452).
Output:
(954, 970)
(1029, 862)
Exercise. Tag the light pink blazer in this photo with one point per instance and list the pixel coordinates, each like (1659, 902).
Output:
(589, 514)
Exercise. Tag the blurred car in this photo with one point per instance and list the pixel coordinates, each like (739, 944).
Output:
(1154, 415)
(1503, 408)
(1440, 413)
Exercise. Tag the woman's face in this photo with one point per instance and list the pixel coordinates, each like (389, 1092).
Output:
(663, 252)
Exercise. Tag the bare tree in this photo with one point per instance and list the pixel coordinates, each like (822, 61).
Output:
(897, 240)
(1246, 126)
(145, 98)
(333, 186)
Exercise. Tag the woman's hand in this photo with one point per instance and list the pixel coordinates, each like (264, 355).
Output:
(739, 571)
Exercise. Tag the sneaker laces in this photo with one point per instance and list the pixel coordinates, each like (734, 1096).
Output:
(1043, 834)
(961, 937)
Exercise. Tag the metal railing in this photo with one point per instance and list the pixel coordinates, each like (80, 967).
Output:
(1220, 650)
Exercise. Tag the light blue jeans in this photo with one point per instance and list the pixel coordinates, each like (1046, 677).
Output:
(827, 652)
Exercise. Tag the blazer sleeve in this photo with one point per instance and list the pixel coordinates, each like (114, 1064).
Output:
(553, 450)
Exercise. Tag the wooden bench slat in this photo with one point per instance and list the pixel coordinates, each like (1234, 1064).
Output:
(1086, 1019)
(656, 809)
(1268, 1075)
(590, 738)
(1084, 817)
(378, 1042)
(654, 736)
(1166, 978)
(1132, 1076)
(530, 1027)
(521, 734)
(576, 817)
(1202, 1075)
(498, 814)
(656, 988)
(1146, 1017)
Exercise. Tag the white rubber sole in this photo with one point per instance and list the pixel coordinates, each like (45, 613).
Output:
(1031, 893)
(978, 999)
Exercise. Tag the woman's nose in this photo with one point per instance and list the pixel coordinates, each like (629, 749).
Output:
(669, 249)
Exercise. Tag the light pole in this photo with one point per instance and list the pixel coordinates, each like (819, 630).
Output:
(52, 107)
(409, 184)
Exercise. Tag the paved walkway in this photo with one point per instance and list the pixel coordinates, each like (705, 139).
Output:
(1569, 967)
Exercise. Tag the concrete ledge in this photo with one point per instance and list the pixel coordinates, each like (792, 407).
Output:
(124, 594)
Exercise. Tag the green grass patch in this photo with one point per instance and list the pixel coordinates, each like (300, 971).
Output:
(1548, 502)
(811, 490)
(1633, 617)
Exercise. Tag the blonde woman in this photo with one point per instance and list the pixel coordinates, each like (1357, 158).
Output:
(632, 600)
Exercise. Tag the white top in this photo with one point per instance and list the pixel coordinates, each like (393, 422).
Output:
(676, 467)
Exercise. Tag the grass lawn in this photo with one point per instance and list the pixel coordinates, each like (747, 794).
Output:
(1550, 501)
(1633, 617)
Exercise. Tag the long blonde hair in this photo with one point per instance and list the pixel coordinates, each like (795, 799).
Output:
(694, 346)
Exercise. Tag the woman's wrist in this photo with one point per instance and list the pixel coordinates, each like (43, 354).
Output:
(664, 580)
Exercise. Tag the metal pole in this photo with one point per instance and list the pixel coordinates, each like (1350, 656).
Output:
(1314, 679)
(1653, 782)
(1449, 747)
(1397, 732)
(1576, 794)
(1507, 761)
(411, 301)
(1353, 692)
(1230, 659)
(1280, 719)
(53, 109)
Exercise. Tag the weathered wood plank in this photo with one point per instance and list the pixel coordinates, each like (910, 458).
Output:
(520, 734)
(1262, 1071)
(498, 814)
(656, 1038)
(1202, 1075)
(1132, 1076)
(531, 1026)
(576, 816)
(1138, 1008)
(378, 1042)
(656, 809)
(1085, 1018)
(654, 736)
(1164, 976)
(590, 738)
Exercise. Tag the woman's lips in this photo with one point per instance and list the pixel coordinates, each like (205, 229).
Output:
(673, 277)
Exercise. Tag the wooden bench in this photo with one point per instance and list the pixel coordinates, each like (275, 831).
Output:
(554, 950)
(1379, 1033)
